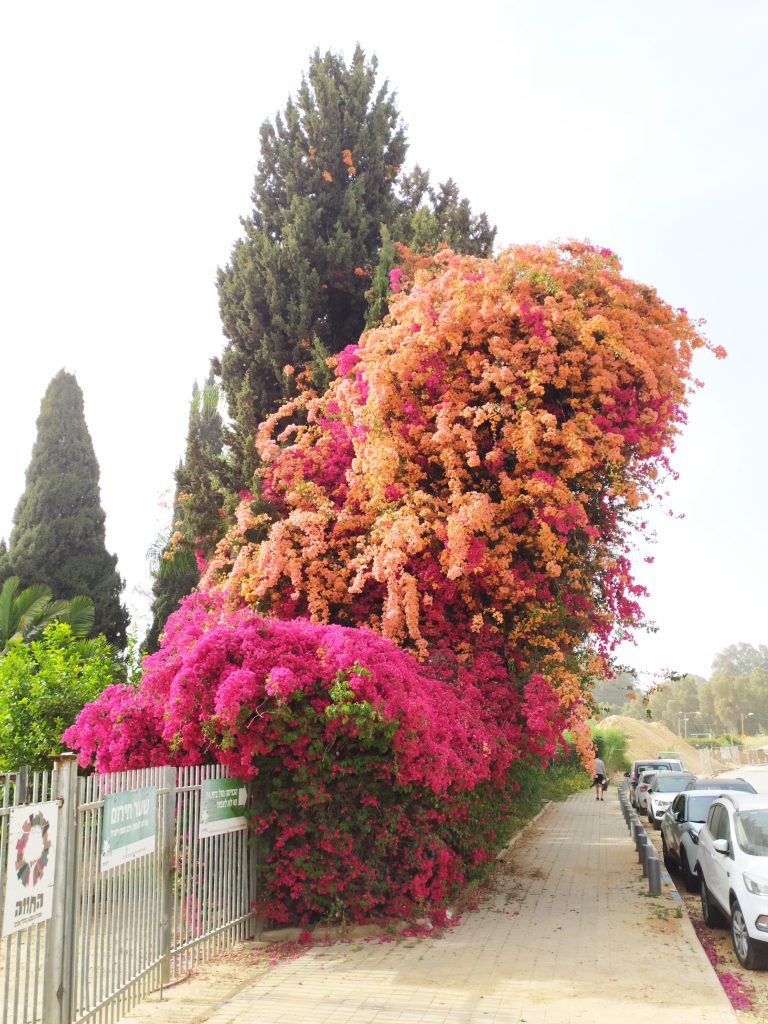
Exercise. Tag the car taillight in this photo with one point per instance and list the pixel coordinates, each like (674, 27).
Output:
(643, 786)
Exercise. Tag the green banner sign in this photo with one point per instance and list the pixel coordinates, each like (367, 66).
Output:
(128, 827)
(222, 807)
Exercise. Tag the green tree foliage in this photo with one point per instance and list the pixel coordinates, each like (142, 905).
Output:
(429, 217)
(677, 700)
(736, 692)
(58, 537)
(43, 686)
(727, 700)
(24, 614)
(198, 500)
(612, 695)
(611, 746)
(294, 290)
(740, 659)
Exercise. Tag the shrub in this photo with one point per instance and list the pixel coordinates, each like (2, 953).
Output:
(612, 748)
(43, 686)
(380, 786)
(466, 489)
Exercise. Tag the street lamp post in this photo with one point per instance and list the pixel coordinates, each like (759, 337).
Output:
(685, 716)
(749, 714)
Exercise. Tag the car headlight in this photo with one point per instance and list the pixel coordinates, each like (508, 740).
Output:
(759, 886)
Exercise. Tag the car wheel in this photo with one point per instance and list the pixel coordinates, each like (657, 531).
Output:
(690, 878)
(743, 946)
(656, 823)
(712, 914)
(668, 863)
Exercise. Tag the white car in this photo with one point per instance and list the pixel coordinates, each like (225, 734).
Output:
(646, 765)
(733, 868)
(644, 781)
(662, 791)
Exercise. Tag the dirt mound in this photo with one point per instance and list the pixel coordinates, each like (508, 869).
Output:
(649, 739)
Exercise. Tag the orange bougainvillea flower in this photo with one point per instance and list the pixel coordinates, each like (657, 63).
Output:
(327, 176)
(468, 483)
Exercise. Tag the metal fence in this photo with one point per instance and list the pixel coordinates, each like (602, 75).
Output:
(21, 955)
(115, 935)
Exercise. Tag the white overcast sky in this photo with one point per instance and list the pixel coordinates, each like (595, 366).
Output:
(129, 140)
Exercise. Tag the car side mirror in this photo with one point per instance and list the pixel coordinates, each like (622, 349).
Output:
(721, 846)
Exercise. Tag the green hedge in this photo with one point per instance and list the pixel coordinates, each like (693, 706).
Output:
(612, 748)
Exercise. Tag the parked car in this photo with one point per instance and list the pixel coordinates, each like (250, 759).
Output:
(645, 764)
(722, 785)
(674, 760)
(643, 785)
(661, 793)
(680, 832)
(756, 775)
(733, 868)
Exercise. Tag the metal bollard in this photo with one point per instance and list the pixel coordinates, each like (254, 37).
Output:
(643, 850)
(637, 834)
(654, 875)
(646, 852)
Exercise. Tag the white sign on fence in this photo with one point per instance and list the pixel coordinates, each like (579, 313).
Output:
(128, 826)
(31, 866)
(222, 806)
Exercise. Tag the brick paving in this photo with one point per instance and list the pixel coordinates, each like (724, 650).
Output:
(568, 936)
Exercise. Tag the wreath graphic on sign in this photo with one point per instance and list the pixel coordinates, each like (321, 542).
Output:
(31, 870)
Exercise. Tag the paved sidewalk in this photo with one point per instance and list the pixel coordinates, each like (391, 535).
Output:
(569, 937)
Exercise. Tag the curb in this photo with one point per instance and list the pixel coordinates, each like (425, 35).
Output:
(501, 856)
(669, 892)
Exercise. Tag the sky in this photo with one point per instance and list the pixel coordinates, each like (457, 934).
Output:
(129, 134)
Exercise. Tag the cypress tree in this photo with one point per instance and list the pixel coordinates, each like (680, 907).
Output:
(58, 536)
(328, 182)
(197, 504)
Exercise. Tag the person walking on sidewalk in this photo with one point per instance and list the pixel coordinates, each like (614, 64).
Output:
(599, 780)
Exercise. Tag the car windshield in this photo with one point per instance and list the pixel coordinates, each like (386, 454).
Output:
(653, 768)
(698, 807)
(667, 785)
(752, 832)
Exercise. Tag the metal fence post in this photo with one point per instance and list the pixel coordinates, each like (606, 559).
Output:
(60, 931)
(167, 870)
(253, 847)
(22, 784)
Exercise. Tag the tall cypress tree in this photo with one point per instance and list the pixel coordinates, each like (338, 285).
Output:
(58, 536)
(328, 181)
(309, 273)
(197, 504)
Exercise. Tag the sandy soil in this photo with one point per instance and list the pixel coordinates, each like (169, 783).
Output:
(648, 739)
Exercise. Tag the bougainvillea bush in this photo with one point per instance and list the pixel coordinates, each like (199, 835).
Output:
(365, 759)
(467, 484)
(433, 563)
